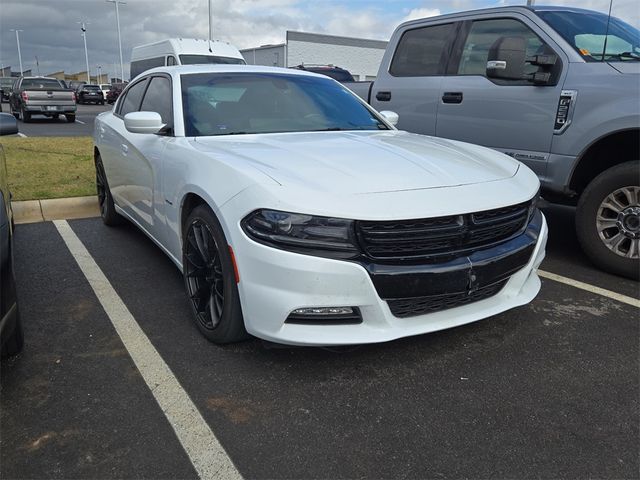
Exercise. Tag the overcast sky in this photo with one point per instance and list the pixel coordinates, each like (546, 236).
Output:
(51, 33)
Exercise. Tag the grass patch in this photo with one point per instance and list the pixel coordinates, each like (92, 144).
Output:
(50, 167)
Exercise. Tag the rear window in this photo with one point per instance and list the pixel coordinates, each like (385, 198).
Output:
(41, 84)
(91, 87)
(205, 59)
(336, 73)
(422, 51)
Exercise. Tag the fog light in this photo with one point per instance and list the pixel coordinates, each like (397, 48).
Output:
(324, 311)
(325, 316)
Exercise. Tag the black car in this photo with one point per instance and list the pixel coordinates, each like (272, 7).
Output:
(11, 336)
(6, 84)
(337, 73)
(89, 94)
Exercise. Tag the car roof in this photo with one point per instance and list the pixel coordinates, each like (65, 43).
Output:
(229, 68)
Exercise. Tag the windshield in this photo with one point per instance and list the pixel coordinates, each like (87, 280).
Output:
(587, 32)
(241, 103)
(205, 59)
(40, 84)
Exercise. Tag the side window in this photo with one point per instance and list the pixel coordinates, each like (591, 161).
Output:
(484, 33)
(171, 60)
(131, 101)
(158, 98)
(422, 52)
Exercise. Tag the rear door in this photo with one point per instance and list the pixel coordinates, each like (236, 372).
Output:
(411, 83)
(513, 116)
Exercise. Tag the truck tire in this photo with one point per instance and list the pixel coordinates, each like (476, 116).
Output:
(26, 116)
(608, 220)
(70, 118)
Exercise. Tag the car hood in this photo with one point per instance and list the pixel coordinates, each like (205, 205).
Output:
(361, 162)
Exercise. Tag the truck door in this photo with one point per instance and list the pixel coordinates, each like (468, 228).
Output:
(411, 82)
(513, 116)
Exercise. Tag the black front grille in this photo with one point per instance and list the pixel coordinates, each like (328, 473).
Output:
(410, 307)
(414, 239)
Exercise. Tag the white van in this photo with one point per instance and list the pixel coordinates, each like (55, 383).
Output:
(182, 51)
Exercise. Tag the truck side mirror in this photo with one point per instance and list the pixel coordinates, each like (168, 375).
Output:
(507, 58)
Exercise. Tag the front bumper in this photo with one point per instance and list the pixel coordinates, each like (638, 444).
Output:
(274, 282)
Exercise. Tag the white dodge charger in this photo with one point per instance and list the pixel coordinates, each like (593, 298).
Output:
(300, 215)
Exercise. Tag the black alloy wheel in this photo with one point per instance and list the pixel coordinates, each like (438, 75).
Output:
(210, 280)
(205, 281)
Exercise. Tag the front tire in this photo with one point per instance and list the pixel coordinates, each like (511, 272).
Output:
(14, 344)
(210, 281)
(108, 212)
(608, 220)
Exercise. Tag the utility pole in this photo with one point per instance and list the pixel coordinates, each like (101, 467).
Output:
(99, 74)
(18, 42)
(531, 3)
(37, 65)
(210, 23)
(83, 27)
(116, 2)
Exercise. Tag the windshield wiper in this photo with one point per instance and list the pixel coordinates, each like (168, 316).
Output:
(632, 55)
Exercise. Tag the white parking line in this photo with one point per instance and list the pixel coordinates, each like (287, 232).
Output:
(21, 135)
(203, 448)
(80, 122)
(634, 302)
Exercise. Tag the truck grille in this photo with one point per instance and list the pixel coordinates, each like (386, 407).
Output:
(432, 237)
(410, 307)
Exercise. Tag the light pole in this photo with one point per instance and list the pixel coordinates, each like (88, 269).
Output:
(99, 74)
(210, 25)
(86, 52)
(18, 42)
(116, 2)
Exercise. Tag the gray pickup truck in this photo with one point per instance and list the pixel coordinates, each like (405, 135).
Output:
(554, 87)
(42, 96)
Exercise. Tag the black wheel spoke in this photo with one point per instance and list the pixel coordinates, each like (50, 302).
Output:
(204, 275)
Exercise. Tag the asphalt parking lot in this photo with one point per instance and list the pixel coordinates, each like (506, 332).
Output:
(41, 126)
(549, 390)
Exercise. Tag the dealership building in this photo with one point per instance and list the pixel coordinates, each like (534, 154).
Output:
(360, 56)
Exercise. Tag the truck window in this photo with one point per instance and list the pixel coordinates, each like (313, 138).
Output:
(422, 51)
(171, 60)
(131, 102)
(484, 33)
(158, 98)
(140, 66)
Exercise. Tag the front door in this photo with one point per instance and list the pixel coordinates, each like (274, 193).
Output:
(513, 116)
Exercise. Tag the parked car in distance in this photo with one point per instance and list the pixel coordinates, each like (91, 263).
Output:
(11, 335)
(6, 85)
(337, 73)
(105, 87)
(42, 96)
(114, 92)
(182, 51)
(90, 94)
(534, 83)
(300, 215)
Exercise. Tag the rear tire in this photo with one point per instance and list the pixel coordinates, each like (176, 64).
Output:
(70, 118)
(210, 281)
(13, 345)
(108, 212)
(607, 220)
(26, 116)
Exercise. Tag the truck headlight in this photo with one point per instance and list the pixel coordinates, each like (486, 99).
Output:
(308, 234)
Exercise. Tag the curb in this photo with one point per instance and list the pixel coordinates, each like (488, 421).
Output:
(32, 211)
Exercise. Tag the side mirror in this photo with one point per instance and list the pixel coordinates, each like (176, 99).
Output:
(8, 124)
(143, 122)
(391, 117)
(507, 57)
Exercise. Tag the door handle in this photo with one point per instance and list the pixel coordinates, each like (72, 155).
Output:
(383, 96)
(125, 149)
(452, 97)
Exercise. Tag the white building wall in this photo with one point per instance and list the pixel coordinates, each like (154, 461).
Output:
(271, 56)
(362, 62)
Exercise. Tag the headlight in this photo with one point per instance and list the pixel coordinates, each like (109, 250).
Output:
(321, 236)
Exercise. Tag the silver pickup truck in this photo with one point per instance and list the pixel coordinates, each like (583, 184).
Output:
(554, 87)
(42, 96)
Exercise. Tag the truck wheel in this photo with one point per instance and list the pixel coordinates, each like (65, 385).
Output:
(608, 220)
(26, 116)
(70, 118)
